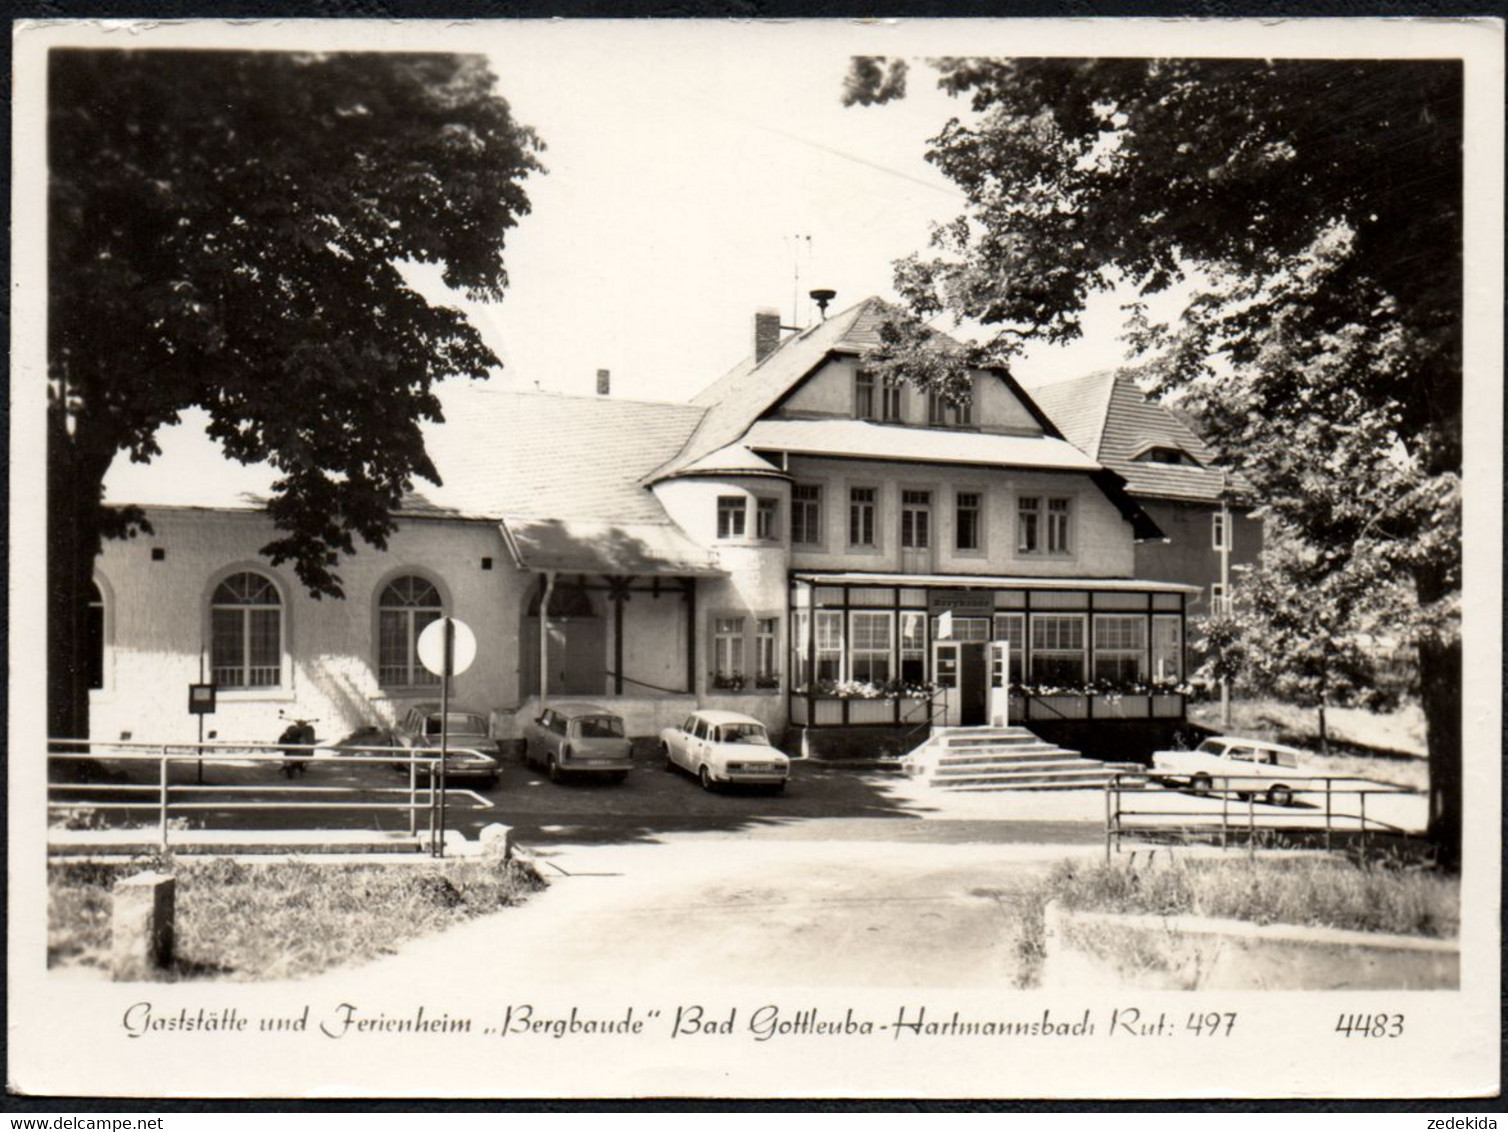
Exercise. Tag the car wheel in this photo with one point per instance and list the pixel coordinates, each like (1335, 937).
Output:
(706, 779)
(552, 768)
(778, 788)
(619, 776)
(669, 762)
(1280, 796)
(1200, 784)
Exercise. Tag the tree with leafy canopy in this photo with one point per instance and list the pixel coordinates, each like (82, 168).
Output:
(225, 233)
(1300, 626)
(1309, 214)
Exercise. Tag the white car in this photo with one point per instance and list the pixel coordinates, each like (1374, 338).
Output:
(722, 747)
(1254, 767)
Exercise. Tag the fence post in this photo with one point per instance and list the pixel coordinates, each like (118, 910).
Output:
(1361, 796)
(1110, 785)
(1251, 826)
(162, 800)
(413, 796)
(1224, 820)
(1328, 782)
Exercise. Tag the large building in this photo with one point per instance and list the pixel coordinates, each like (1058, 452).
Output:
(1208, 515)
(800, 542)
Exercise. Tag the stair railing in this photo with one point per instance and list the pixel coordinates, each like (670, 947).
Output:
(936, 707)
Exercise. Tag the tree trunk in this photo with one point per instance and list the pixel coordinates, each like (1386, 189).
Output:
(1324, 732)
(75, 484)
(1440, 696)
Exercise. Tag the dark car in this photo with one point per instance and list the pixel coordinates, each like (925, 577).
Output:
(472, 751)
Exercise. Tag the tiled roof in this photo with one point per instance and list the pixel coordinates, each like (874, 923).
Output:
(836, 437)
(735, 458)
(1109, 417)
(599, 546)
(498, 453)
(739, 397)
(1078, 408)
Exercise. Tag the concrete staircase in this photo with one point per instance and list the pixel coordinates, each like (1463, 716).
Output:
(1009, 758)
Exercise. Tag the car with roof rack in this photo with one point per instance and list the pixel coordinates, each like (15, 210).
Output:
(577, 740)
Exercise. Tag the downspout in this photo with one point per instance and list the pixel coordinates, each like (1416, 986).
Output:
(1225, 601)
(544, 640)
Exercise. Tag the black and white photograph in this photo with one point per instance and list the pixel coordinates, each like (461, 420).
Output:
(695, 559)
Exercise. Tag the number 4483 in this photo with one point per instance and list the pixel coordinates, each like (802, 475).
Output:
(1370, 1025)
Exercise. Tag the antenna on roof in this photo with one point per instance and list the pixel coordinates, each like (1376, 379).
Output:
(796, 280)
(823, 296)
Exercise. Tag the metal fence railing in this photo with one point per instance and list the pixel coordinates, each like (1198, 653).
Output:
(1319, 807)
(152, 789)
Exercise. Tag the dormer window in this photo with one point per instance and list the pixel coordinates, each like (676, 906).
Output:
(1162, 454)
(864, 408)
(892, 406)
(942, 411)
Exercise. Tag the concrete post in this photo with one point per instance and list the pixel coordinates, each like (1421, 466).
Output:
(497, 841)
(141, 926)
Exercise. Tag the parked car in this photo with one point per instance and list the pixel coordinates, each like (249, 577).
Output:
(571, 739)
(1258, 767)
(473, 752)
(722, 747)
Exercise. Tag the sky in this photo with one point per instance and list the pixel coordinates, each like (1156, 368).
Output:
(694, 179)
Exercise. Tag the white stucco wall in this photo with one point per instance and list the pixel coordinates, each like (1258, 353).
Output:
(755, 588)
(830, 393)
(158, 617)
(1101, 542)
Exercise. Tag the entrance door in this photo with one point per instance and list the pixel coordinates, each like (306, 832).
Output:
(916, 532)
(1000, 693)
(960, 672)
(577, 649)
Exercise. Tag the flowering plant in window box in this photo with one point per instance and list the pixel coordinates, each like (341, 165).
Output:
(1107, 689)
(767, 680)
(728, 681)
(868, 690)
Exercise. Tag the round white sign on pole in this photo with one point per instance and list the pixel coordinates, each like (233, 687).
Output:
(431, 647)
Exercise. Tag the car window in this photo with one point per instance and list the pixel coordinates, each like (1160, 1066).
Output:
(699, 729)
(1266, 758)
(1242, 754)
(1211, 747)
(557, 723)
(751, 733)
(599, 727)
(690, 725)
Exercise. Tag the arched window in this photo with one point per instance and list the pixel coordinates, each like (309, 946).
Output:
(94, 632)
(246, 633)
(406, 606)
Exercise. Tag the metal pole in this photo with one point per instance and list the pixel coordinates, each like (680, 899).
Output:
(162, 811)
(544, 641)
(413, 793)
(1251, 826)
(1224, 819)
(449, 654)
(1327, 815)
(199, 775)
(1225, 541)
(1109, 786)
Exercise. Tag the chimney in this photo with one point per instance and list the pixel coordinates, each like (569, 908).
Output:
(766, 333)
(604, 383)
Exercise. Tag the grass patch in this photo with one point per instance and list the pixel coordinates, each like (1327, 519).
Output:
(1306, 891)
(287, 919)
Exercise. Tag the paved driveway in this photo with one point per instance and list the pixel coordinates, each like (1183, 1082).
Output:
(823, 802)
(702, 912)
